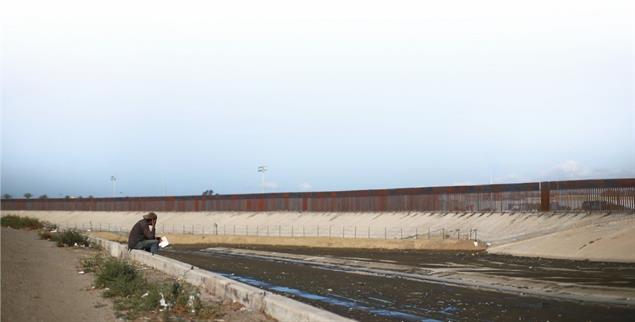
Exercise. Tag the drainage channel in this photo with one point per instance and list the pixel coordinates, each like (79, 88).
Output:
(384, 298)
(347, 303)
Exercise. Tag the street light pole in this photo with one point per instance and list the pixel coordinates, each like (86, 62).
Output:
(262, 169)
(114, 185)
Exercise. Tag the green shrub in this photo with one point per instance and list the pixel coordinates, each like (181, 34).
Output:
(49, 226)
(92, 264)
(121, 278)
(18, 222)
(70, 237)
(134, 296)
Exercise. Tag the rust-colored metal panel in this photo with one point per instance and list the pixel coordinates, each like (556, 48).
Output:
(588, 195)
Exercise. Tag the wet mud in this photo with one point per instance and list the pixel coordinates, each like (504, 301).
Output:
(377, 298)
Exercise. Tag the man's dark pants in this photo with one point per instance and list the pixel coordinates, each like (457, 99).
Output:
(150, 245)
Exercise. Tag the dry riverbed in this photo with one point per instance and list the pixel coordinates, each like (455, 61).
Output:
(356, 292)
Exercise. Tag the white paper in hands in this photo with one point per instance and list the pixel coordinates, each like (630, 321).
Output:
(164, 242)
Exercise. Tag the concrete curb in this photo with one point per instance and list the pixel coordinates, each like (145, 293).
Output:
(274, 305)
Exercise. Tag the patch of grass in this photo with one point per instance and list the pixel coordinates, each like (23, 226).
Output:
(134, 295)
(70, 237)
(92, 264)
(121, 278)
(18, 222)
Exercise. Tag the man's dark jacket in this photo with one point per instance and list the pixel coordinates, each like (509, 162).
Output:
(140, 231)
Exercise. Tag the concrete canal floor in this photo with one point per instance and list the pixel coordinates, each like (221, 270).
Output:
(383, 285)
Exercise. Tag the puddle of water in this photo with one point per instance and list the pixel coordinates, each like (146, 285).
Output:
(347, 303)
(450, 310)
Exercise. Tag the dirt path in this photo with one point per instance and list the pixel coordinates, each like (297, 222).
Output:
(40, 282)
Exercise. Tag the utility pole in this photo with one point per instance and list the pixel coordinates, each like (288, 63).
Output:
(114, 185)
(262, 169)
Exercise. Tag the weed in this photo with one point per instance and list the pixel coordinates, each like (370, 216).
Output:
(70, 237)
(49, 226)
(121, 278)
(133, 295)
(92, 264)
(18, 222)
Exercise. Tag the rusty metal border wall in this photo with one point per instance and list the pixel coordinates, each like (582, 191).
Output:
(587, 195)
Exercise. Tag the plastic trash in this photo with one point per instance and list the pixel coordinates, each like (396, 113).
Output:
(190, 303)
(162, 303)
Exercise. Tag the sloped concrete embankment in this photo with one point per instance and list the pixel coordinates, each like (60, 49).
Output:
(491, 227)
(611, 241)
(276, 306)
(496, 228)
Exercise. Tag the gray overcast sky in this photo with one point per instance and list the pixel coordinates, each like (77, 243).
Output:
(180, 97)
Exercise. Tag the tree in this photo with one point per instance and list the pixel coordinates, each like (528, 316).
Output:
(208, 192)
(6, 196)
(28, 195)
(44, 196)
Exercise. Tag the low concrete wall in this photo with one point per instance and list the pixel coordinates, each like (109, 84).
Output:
(276, 306)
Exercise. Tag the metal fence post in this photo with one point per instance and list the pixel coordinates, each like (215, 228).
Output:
(458, 234)
(428, 232)
(443, 232)
(355, 236)
(416, 232)
(292, 232)
(385, 233)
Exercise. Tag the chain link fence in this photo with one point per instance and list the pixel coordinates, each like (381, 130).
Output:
(294, 231)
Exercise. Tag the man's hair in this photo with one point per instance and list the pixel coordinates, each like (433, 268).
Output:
(150, 216)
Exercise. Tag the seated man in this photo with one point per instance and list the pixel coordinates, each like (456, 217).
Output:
(142, 234)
